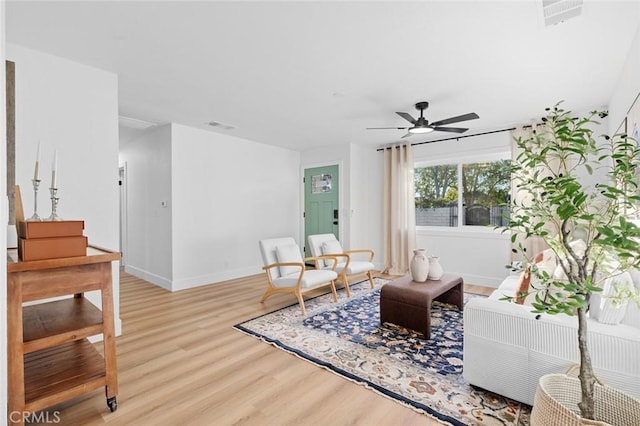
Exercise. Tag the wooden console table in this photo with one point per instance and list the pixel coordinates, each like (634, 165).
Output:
(50, 358)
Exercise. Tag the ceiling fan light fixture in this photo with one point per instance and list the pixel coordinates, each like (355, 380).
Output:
(422, 126)
(420, 130)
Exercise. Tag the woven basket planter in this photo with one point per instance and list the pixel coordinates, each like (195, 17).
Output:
(557, 397)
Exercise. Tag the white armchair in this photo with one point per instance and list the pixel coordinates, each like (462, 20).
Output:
(328, 245)
(286, 272)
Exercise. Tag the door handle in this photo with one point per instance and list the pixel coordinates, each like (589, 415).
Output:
(335, 216)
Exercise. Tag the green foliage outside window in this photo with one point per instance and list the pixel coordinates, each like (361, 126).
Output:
(486, 187)
(486, 184)
(436, 186)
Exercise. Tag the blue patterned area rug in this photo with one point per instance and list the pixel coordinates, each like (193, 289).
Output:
(426, 375)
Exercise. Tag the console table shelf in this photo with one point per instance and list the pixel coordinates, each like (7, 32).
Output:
(50, 358)
(61, 372)
(54, 323)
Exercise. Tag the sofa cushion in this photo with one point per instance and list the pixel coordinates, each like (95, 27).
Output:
(507, 288)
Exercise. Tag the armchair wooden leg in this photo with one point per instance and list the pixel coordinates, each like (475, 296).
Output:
(269, 291)
(266, 294)
(333, 290)
(345, 281)
(301, 302)
(370, 275)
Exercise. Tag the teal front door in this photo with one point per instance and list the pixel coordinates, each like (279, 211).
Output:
(321, 211)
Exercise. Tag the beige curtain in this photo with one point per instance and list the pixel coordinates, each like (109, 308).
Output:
(399, 209)
(532, 245)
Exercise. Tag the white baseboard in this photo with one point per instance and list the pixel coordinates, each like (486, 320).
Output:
(481, 280)
(148, 276)
(191, 282)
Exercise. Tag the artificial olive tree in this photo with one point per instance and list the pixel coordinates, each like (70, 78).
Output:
(558, 206)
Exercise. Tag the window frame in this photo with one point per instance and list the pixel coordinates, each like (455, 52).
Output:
(459, 161)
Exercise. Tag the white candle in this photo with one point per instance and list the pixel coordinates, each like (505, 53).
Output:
(54, 167)
(36, 172)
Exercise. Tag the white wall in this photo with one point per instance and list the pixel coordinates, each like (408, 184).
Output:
(3, 221)
(366, 212)
(479, 255)
(627, 87)
(222, 195)
(72, 108)
(147, 160)
(228, 193)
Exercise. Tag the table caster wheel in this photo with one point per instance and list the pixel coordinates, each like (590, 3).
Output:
(112, 404)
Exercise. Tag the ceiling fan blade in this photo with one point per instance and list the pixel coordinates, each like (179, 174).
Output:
(383, 128)
(407, 135)
(407, 117)
(464, 117)
(450, 129)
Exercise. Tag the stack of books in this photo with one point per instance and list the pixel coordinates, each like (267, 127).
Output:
(51, 240)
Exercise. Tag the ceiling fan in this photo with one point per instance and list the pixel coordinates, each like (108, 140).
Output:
(422, 125)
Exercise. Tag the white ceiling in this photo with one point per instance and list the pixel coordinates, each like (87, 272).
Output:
(301, 74)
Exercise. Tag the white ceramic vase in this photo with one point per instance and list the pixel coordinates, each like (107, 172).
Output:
(435, 268)
(419, 266)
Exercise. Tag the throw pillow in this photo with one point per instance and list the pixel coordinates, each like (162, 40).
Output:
(288, 253)
(605, 309)
(558, 274)
(544, 261)
(332, 247)
(523, 286)
(635, 276)
(579, 247)
(632, 316)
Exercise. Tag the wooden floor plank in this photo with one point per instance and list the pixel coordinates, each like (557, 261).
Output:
(180, 362)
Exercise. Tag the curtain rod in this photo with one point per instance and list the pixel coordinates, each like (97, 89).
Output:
(452, 138)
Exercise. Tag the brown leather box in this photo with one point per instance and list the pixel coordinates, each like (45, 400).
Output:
(50, 229)
(51, 248)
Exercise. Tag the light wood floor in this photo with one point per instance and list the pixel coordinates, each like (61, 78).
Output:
(180, 362)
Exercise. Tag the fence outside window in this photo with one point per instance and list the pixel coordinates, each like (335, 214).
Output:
(448, 216)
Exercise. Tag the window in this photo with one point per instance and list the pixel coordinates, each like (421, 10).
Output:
(483, 200)
(437, 195)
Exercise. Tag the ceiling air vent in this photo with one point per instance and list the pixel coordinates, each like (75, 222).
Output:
(556, 11)
(218, 125)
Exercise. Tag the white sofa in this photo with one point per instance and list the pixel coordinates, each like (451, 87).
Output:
(507, 348)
